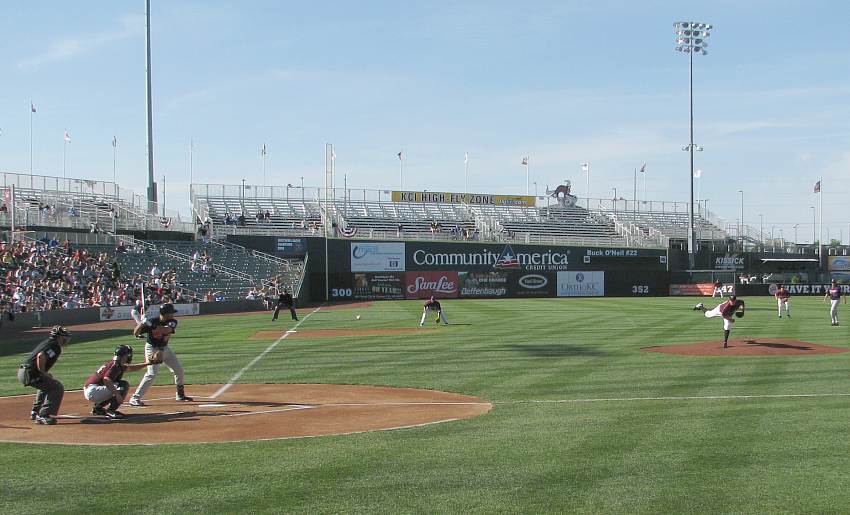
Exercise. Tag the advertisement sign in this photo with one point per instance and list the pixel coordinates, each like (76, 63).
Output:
(291, 247)
(581, 284)
(378, 286)
(421, 285)
(437, 197)
(688, 290)
(807, 289)
(123, 312)
(483, 284)
(838, 263)
(736, 262)
(377, 257)
(532, 284)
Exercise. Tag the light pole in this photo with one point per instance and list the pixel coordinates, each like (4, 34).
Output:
(742, 217)
(795, 233)
(761, 228)
(242, 192)
(302, 188)
(535, 188)
(690, 39)
(814, 225)
(585, 167)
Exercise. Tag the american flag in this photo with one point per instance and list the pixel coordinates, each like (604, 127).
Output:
(67, 137)
(400, 155)
(507, 259)
(32, 107)
(643, 168)
(817, 187)
(524, 161)
(114, 142)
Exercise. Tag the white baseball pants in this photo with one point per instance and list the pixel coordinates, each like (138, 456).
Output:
(783, 302)
(169, 359)
(833, 310)
(427, 311)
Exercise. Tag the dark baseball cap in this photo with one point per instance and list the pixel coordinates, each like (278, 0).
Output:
(166, 309)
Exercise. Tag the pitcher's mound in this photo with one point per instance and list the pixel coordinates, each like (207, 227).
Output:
(240, 412)
(748, 347)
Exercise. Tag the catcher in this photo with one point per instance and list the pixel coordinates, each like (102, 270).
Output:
(734, 307)
(159, 331)
(105, 388)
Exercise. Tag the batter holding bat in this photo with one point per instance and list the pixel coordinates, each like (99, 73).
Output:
(157, 351)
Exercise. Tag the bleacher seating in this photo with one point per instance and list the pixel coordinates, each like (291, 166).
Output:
(672, 224)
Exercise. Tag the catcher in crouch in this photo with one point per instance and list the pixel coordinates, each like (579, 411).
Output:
(734, 307)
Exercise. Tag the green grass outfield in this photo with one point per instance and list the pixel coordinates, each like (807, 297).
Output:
(740, 455)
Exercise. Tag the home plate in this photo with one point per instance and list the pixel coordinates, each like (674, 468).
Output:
(211, 405)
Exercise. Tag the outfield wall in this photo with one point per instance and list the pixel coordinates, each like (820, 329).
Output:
(393, 270)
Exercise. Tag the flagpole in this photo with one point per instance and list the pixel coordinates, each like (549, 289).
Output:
(264, 164)
(191, 165)
(634, 196)
(114, 159)
(64, 151)
(31, 109)
(466, 172)
(527, 174)
(820, 224)
(644, 184)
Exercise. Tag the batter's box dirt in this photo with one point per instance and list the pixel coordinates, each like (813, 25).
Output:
(243, 412)
(334, 333)
(748, 347)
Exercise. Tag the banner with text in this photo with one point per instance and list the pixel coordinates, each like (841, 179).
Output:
(483, 284)
(377, 257)
(123, 312)
(838, 263)
(378, 286)
(421, 285)
(438, 197)
(581, 284)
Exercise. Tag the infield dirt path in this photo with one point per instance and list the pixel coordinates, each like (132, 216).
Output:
(243, 412)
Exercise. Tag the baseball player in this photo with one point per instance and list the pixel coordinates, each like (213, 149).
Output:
(106, 389)
(718, 289)
(834, 295)
(34, 371)
(728, 310)
(433, 305)
(285, 300)
(782, 299)
(159, 331)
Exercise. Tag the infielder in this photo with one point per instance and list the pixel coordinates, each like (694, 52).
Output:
(718, 289)
(782, 299)
(106, 389)
(159, 331)
(34, 371)
(727, 310)
(433, 305)
(834, 295)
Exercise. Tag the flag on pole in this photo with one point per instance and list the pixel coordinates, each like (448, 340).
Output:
(67, 137)
(32, 107)
(333, 155)
(114, 142)
(525, 161)
(465, 157)
(263, 150)
(643, 168)
(697, 173)
(817, 187)
(400, 155)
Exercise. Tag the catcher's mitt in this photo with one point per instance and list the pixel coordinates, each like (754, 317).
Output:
(739, 314)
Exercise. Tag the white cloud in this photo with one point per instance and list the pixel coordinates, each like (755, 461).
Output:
(68, 48)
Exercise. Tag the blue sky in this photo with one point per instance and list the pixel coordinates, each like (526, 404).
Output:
(563, 82)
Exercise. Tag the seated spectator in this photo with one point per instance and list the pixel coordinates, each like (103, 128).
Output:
(268, 216)
(121, 248)
(72, 212)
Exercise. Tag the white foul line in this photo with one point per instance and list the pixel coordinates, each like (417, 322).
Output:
(253, 362)
(682, 398)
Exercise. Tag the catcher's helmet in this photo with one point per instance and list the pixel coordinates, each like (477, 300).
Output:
(59, 330)
(124, 350)
(167, 309)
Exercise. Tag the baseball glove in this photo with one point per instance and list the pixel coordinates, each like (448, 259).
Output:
(156, 358)
(739, 314)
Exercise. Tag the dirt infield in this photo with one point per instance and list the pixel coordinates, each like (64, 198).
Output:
(243, 412)
(333, 333)
(748, 347)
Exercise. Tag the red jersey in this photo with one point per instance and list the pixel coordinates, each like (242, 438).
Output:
(110, 370)
(727, 309)
(782, 294)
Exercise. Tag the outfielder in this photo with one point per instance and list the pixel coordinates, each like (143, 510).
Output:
(834, 295)
(727, 310)
(433, 305)
(105, 388)
(718, 289)
(34, 371)
(782, 299)
(159, 331)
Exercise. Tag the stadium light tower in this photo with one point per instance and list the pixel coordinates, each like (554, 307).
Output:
(690, 39)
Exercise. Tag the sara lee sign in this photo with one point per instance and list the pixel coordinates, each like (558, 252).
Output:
(421, 285)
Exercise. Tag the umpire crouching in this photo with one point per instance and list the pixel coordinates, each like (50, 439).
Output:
(285, 300)
(35, 372)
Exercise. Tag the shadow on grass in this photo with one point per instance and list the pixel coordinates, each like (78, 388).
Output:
(555, 350)
(25, 342)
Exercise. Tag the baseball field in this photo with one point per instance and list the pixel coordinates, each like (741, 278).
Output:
(581, 418)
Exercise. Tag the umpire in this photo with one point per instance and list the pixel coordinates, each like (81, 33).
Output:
(35, 372)
(285, 300)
